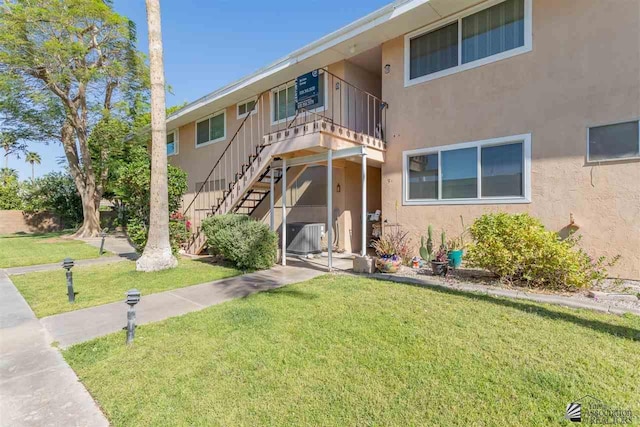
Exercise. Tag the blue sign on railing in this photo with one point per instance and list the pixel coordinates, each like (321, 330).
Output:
(307, 90)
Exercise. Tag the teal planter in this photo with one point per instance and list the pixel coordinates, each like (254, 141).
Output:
(455, 258)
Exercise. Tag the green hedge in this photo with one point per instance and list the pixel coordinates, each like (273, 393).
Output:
(247, 243)
(518, 248)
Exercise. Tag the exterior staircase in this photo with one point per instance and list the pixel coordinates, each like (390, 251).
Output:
(241, 177)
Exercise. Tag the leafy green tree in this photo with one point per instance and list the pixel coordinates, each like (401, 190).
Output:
(10, 145)
(33, 158)
(9, 190)
(133, 189)
(65, 66)
(56, 193)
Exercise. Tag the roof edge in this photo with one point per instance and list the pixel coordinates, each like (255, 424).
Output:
(324, 43)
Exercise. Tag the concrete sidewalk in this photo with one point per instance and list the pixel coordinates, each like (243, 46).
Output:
(37, 387)
(82, 325)
(117, 245)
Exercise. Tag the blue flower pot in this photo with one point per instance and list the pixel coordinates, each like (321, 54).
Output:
(455, 258)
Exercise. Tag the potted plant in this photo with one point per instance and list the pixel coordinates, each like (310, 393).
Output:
(440, 262)
(392, 249)
(426, 249)
(456, 250)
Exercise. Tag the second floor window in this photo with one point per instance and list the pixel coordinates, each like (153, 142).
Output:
(172, 143)
(211, 129)
(469, 40)
(283, 100)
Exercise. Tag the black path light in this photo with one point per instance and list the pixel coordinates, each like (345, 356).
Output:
(103, 234)
(67, 264)
(133, 297)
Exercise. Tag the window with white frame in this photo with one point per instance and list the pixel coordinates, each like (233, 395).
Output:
(246, 107)
(617, 141)
(487, 33)
(283, 100)
(490, 171)
(211, 129)
(172, 143)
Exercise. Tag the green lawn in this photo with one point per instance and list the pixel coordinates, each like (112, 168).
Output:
(46, 292)
(18, 250)
(341, 351)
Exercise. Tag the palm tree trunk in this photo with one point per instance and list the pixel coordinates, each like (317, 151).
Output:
(33, 172)
(157, 252)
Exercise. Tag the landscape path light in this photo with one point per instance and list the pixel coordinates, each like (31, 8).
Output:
(133, 297)
(103, 234)
(68, 264)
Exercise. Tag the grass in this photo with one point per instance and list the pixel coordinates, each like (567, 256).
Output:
(17, 250)
(340, 350)
(46, 292)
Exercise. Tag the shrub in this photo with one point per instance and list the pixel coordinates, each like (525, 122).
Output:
(9, 190)
(247, 243)
(518, 248)
(132, 188)
(55, 192)
(137, 231)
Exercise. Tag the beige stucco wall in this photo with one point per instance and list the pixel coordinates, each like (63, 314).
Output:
(584, 69)
(197, 162)
(346, 204)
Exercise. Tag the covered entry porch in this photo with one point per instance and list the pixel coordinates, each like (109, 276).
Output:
(333, 188)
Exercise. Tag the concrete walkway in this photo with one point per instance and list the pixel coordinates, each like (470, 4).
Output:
(119, 246)
(37, 387)
(82, 325)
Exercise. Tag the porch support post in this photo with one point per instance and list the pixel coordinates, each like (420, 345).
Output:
(364, 204)
(330, 209)
(283, 233)
(272, 199)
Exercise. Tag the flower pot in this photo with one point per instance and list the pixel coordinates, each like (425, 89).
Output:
(439, 268)
(455, 258)
(388, 265)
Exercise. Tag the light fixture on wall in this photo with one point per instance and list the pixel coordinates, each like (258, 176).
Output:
(339, 189)
(387, 68)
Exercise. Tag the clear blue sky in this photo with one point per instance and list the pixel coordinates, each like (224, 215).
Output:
(209, 43)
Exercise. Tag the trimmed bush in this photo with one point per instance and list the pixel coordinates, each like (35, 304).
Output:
(517, 248)
(138, 232)
(247, 243)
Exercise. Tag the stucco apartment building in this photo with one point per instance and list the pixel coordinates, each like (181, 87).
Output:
(439, 109)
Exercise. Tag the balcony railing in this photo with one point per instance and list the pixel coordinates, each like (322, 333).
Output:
(341, 104)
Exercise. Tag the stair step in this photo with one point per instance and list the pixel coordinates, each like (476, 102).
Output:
(262, 185)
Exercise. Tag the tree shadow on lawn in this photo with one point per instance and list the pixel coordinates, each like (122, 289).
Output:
(615, 330)
(291, 293)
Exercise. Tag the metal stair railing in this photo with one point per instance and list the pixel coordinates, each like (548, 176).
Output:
(343, 104)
